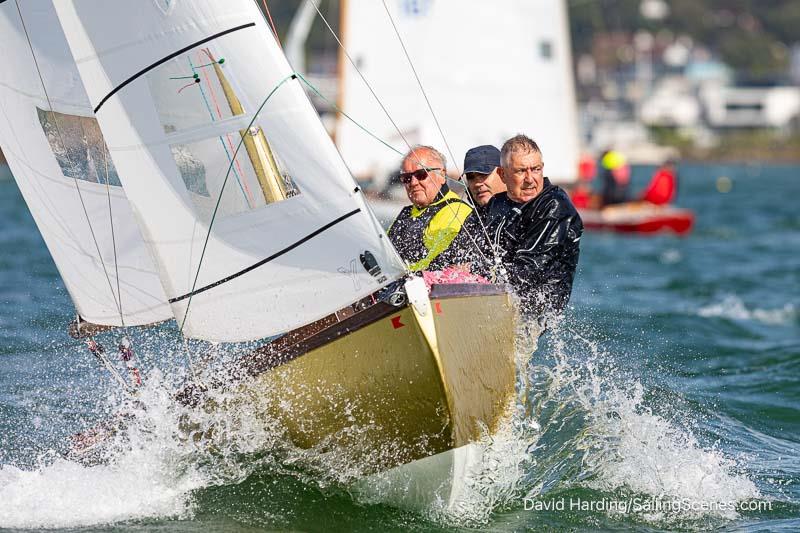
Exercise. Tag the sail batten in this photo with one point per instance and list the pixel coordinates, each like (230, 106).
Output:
(167, 58)
(255, 222)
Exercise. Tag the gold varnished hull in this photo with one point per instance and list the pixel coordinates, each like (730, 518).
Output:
(377, 390)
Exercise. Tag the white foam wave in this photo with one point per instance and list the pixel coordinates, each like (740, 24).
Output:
(627, 446)
(149, 469)
(68, 494)
(637, 450)
(733, 308)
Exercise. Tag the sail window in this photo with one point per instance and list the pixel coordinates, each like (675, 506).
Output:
(255, 174)
(195, 89)
(79, 147)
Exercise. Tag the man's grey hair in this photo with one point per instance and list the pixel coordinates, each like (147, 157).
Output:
(517, 143)
(430, 149)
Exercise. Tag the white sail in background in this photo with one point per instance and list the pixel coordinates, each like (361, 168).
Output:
(47, 149)
(173, 85)
(490, 69)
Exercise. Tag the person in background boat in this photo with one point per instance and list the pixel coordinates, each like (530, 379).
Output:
(481, 166)
(663, 185)
(581, 195)
(535, 230)
(616, 177)
(430, 233)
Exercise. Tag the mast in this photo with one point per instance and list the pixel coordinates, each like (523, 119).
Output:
(296, 37)
(255, 142)
(340, 68)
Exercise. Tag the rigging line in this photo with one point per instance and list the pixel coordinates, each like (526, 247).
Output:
(118, 302)
(239, 174)
(113, 237)
(364, 79)
(292, 76)
(61, 137)
(272, 23)
(106, 362)
(386, 112)
(419, 82)
(371, 90)
(348, 117)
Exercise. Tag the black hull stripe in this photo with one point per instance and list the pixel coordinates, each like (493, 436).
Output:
(164, 60)
(268, 259)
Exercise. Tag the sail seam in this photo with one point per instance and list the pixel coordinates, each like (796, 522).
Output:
(270, 258)
(167, 58)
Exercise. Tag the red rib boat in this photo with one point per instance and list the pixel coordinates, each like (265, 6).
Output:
(639, 217)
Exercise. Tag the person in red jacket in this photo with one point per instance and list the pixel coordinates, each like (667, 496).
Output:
(663, 186)
(581, 195)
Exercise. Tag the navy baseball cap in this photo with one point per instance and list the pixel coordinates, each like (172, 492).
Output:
(482, 159)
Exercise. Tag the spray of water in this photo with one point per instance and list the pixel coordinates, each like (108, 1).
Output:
(578, 422)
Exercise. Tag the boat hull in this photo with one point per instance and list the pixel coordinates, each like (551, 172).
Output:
(380, 394)
(639, 218)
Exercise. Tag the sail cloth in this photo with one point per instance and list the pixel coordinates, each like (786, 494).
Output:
(47, 149)
(490, 69)
(176, 86)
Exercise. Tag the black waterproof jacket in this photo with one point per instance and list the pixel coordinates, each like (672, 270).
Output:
(538, 244)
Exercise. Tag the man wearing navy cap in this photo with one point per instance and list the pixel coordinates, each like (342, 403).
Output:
(480, 168)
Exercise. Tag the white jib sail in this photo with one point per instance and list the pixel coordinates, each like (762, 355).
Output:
(490, 69)
(55, 154)
(176, 86)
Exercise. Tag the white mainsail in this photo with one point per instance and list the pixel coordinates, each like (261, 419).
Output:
(490, 70)
(175, 86)
(59, 160)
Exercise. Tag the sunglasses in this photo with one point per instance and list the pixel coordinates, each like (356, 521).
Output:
(421, 174)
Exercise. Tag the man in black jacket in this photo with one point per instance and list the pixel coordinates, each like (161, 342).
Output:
(535, 230)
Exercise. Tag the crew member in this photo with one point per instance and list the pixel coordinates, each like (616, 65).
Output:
(581, 195)
(430, 233)
(535, 229)
(616, 174)
(481, 170)
(663, 185)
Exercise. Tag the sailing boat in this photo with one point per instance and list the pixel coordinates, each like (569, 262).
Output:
(249, 219)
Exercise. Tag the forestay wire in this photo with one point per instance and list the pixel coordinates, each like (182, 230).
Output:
(363, 78)
(421, 88)
(438, 125)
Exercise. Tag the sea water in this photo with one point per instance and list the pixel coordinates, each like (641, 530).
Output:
(667, 398)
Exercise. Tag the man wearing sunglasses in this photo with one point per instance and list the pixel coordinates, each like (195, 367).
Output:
(535, 229)
(430, 233)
